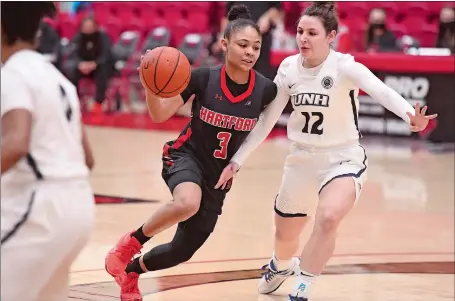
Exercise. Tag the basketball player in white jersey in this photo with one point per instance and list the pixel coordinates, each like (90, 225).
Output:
(47, 205)
(326, 159)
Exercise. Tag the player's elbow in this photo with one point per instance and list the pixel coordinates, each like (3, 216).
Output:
(19, 147)
(21, 151)
(89, 161)
(158, 118)
(11, 154)
(157, 113)
(160, 109)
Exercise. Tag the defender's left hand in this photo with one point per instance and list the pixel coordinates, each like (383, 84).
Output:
(419, 121)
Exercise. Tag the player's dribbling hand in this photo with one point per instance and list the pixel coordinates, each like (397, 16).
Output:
(140, 75)
(227, 174)
(419, 121)
(142, 57)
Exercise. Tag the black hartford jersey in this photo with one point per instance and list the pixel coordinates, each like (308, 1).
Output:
(223, 114)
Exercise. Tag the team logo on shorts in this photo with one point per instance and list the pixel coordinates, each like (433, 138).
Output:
(327, 82)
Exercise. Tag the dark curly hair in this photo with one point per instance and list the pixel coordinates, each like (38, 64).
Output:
(21, 20)
(239, 17)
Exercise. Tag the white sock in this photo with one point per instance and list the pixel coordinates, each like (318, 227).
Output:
(282, 265)
(302, 284)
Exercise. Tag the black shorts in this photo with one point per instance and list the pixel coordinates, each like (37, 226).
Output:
(184, 168)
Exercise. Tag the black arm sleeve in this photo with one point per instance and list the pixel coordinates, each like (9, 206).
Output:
(198, 83)
(270, 92)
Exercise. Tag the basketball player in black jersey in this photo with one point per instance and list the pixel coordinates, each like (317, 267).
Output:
(227, 102)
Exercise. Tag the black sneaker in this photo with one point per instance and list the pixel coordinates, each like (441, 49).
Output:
(292, 298)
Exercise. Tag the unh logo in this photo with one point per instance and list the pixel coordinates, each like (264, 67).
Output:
(327, 82)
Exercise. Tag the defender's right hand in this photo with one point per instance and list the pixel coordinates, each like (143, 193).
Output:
(227, 174)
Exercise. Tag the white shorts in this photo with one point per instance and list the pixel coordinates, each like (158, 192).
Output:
(43, 230)
(307, 171)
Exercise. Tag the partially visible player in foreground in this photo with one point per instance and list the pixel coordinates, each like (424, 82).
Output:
(227, 103)
(325, 157)
(47, 205)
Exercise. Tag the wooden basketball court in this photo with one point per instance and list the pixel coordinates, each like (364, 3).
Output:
(397, 244)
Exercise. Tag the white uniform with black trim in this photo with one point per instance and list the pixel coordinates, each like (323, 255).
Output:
(325, 103)
(47, 203)
(323, 126)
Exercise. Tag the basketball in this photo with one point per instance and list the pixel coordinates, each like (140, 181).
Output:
(165, 71)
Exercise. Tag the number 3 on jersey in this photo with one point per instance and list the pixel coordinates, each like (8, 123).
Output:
(316, 126)
(224, 138)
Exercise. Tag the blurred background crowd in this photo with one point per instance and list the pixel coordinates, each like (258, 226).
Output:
(97, 45)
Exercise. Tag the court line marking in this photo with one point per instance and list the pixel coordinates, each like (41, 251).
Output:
(92, 291)
(268, 258)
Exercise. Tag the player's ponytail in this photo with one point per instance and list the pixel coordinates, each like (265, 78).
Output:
(239, 17)
(239, 11)
(21, 20)
(329, 6)
(326, 12)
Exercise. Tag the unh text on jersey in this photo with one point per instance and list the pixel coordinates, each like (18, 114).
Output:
(310, 99)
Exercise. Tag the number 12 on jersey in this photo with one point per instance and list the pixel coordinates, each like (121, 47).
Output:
(315, 127)
(224, 138)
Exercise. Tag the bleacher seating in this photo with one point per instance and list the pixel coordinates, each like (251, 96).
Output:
(203, 17)
(407, 18)
(417, 19)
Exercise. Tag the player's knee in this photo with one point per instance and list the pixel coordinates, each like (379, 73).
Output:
(335, 201)
(327, 220)
(187, 199)
(187, 206)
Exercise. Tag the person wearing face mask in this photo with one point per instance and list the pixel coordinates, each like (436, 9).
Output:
(91, 57)
(378, 37)
(326, 161)
(446, 34)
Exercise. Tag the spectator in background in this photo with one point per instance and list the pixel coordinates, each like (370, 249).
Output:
(91, 57)
(79, 6)
(378, 37)
(49, 44)
(446, 34)
(266, 15)
(343, 40)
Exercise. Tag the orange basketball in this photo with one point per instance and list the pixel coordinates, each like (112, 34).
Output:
(165, 71)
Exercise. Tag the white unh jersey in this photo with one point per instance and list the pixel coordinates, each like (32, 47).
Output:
(29, 82)
(325, 102)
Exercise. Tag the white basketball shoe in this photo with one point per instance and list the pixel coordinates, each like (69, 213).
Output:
(273, 279)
